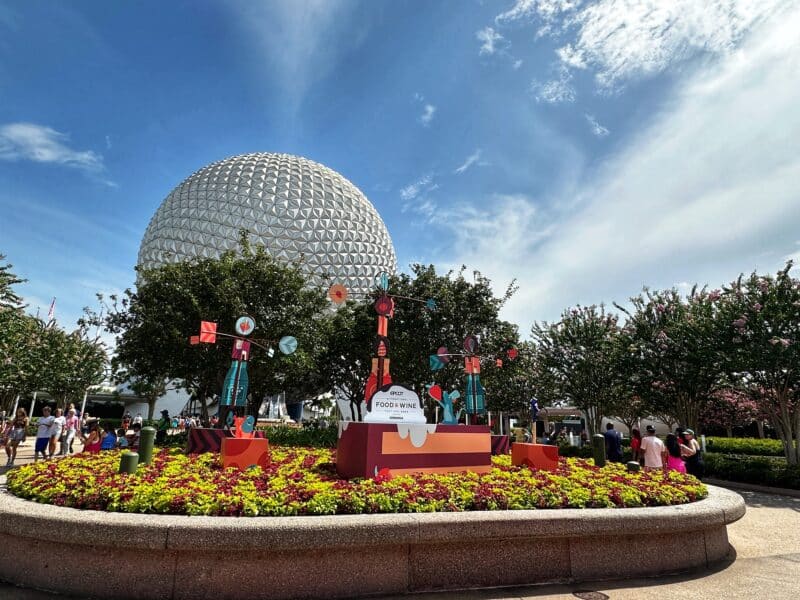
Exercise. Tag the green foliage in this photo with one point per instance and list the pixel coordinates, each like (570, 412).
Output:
(303, 481)
(310, 437)
(749, 446)
(153, 324)
(761, 314)
(462, 307)
(673, 352)
(577, 362)
(760, 470)
(40, 356)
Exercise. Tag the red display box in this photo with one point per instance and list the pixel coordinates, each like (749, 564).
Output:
(364, 449)
(535, 456)
(245, 452)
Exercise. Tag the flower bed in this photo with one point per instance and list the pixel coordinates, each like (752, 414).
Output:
(303, 481)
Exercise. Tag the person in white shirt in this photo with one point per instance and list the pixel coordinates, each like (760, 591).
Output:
(137, 419)
(653, 450)
(59, 421)
(44, 423)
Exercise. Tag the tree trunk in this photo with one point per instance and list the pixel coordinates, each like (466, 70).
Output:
(729, 431)
(760, 426)
(151, 407)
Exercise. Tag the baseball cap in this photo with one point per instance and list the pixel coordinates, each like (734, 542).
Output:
(651, 429)
(689, 431)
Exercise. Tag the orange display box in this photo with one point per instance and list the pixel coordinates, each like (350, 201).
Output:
(244, 452)
(535, 456)
(364, 449)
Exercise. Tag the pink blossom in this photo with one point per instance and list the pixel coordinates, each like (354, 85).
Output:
(740, 322)
(757, 307)
(714, 295)
(660, 308)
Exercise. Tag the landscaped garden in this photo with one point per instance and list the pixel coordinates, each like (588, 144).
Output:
(303, 481)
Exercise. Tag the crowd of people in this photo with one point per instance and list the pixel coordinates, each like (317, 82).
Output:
(57, 432)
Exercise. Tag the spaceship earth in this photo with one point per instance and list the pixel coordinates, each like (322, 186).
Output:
(296, 208)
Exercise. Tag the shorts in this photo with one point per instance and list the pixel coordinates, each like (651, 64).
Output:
(41, 444)
(17, 435)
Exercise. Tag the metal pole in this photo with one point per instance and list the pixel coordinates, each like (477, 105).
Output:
(16, 406)
(83, 404)
(33, 403)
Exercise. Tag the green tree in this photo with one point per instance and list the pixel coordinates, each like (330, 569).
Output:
(576, 362)
(675, 352)
(73, 362)
(462, 308)
(154, 323)
(761, 314)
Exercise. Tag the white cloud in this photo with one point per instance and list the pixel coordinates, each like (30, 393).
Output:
(555, 90)
(423, 184)
(517, 64)
(490, 40)
(301, 42)
(39, 143)
(427, 114)
(470, 160)
(597, 129)
(706, 191)
(621, 40)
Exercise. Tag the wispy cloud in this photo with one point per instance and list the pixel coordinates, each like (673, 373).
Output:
(698, 195)
(555, 90)
(517, 64)
(423, 184)
(621, 40)
(300, 43)
(470, 160)
(597, 129)
(42, 144)
(427, 114)
(428, 110)
(490, 40)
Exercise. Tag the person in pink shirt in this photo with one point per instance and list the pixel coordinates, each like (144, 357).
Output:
(71, 427)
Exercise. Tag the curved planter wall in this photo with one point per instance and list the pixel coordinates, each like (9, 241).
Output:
(99, 554)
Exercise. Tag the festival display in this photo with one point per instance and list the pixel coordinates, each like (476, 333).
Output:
(241, 448)
(393, 436)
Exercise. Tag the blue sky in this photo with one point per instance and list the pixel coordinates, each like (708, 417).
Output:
(584, 148)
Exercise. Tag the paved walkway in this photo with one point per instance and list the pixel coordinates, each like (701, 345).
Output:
(764, 564)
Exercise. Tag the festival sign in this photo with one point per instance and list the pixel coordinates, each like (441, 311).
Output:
(395, 404)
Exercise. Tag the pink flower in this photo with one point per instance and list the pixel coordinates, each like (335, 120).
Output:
(757, 307)
(714, 295)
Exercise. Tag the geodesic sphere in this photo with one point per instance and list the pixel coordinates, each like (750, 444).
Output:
(296, 208)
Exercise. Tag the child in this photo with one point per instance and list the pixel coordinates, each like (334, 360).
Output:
(122, 441)
(133, 439)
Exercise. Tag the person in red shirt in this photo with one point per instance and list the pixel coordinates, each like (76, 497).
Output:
(636, 444)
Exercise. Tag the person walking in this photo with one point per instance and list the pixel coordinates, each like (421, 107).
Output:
(653, 450)
(613, 443)
(675, 453)
(636, 444)
(71, 427)
(56, 429)
(163, 426)
(694, 455)
(43, 432)
(18, 427)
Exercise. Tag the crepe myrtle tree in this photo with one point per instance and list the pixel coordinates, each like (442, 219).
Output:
(576, 361)
(729, 408)
(762, 318)
(674, 351)
(74, 362)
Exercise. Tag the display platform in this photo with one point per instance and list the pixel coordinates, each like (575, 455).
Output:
(205, 439)
(364, 449)
(244, 453)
